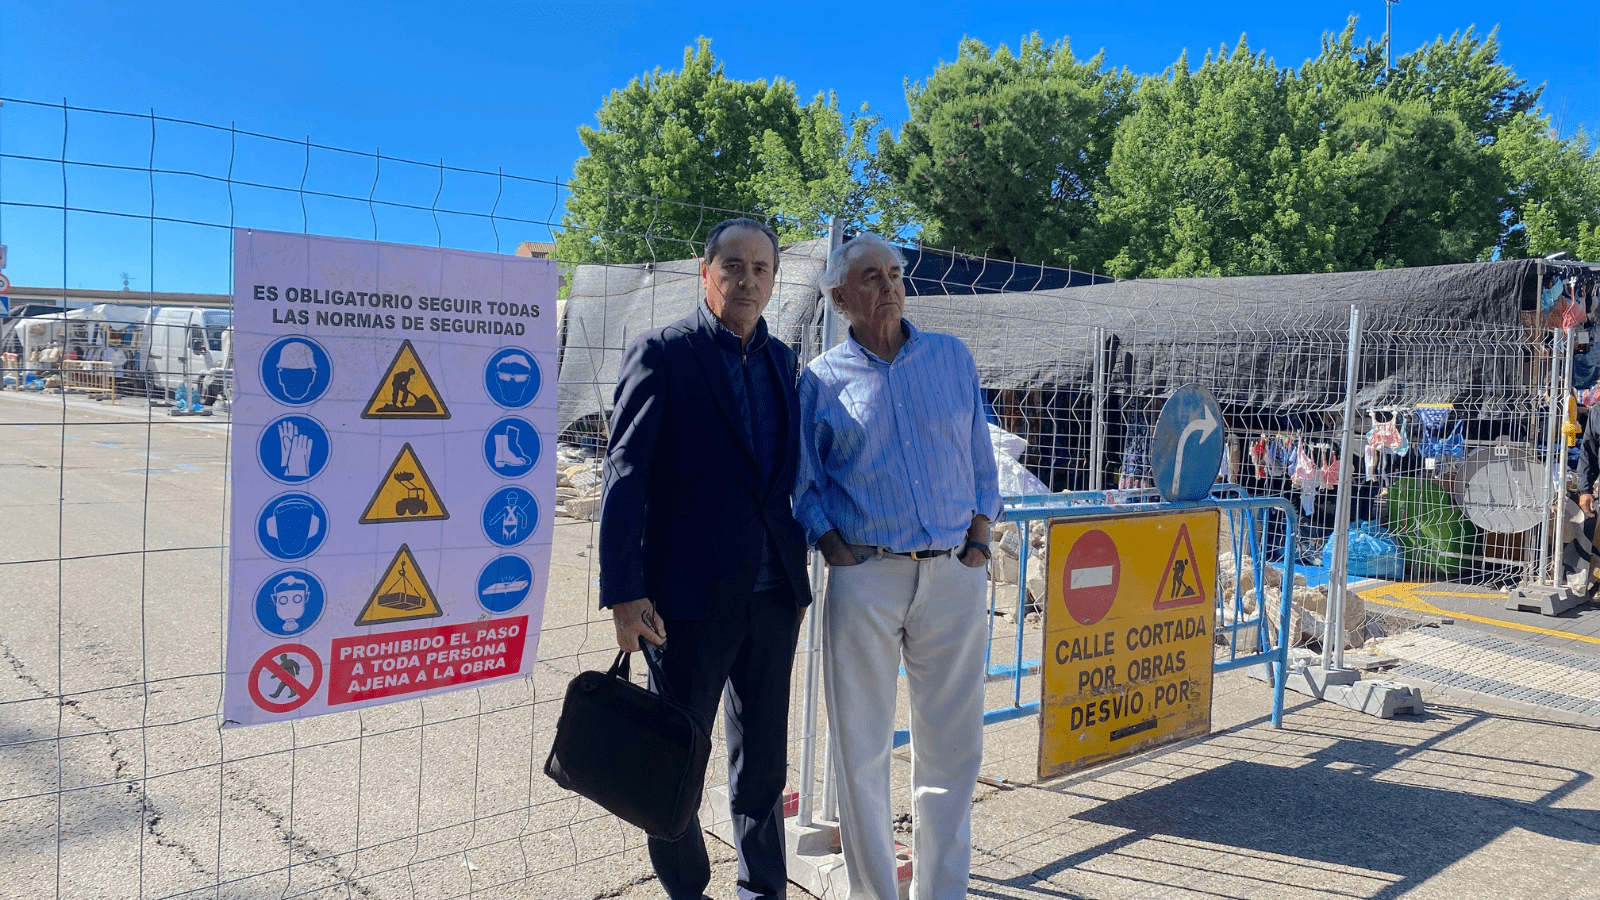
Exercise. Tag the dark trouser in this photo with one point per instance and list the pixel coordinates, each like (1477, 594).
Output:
(744, 651)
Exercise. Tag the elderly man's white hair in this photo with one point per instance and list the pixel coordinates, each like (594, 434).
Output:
(840, 260)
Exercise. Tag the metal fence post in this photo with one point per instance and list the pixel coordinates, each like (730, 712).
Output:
(1548, 533)
(1560, 473)
(1097, 422)
(809, 697)
(1333, 623)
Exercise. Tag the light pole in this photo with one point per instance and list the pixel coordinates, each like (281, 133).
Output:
(1388, 36)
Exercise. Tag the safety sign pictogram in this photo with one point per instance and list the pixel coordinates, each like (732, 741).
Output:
(402, 594)
(283, 671)
(405, 494)
(296, 371)
(293, 449)
(406, 391)
(289, 602)
(509, 516)
(504, 583)
(292, 526)
(1183, 582)
(1090, 577)
(511, 447)
(511, 377)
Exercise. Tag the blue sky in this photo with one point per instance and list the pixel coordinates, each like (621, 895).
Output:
(504, 86)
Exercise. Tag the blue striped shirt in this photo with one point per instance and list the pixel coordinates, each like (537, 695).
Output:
(895, 454)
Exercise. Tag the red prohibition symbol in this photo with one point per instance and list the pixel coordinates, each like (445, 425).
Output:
(284, 664)
(1089, 579)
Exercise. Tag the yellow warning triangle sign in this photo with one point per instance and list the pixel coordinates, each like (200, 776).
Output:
(406, 493)
(405, 391)
(402, 594)
(1181, 584)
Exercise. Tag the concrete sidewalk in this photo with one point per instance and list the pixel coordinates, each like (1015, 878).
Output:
(1477, 798)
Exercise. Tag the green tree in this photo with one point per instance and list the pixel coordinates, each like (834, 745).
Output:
(835, 173)
(1464, 76)
(1002, 152)
(675, 152)
(1205, 177)
(1554, 189)
(1421, 189)
(1240, 168)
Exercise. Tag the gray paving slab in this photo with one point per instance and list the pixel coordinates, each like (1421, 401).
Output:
(129, 790)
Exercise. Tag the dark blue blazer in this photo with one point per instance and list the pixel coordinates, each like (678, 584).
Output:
(686, 508)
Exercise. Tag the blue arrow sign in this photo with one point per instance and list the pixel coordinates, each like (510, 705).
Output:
(1187, 449)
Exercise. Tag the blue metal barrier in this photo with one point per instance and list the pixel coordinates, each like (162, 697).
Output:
(1248, 530)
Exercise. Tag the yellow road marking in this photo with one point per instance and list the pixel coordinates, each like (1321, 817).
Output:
(1405, 597)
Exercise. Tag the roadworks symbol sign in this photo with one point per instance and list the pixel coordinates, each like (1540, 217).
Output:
(1181, 585)
(405, 391)
(406, 493)
(402, 594)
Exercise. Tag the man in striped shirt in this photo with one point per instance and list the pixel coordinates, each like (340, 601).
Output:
(897, 486)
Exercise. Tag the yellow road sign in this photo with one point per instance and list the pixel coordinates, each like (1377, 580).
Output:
(402, 594)
(1127, 630)
(405, 493)
(406, 391)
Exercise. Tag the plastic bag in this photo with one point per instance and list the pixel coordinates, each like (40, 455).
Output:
(1373, 553)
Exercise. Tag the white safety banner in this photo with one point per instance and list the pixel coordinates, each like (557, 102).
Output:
(393, 471)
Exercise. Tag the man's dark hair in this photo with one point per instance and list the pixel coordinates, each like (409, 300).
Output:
(725, 225)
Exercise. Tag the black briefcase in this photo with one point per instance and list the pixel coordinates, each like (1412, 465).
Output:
(641, 755)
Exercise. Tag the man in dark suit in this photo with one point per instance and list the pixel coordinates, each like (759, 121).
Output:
(697, 539)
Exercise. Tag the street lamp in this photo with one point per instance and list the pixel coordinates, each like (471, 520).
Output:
(1388, 35)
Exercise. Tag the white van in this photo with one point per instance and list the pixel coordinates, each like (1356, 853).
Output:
(190, 347)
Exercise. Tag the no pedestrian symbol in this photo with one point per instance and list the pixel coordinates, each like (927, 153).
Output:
(285, 678)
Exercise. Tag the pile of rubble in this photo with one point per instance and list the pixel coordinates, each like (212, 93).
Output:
(1005, 542)
(1307, 611)
(1308, 607)
(578, 483)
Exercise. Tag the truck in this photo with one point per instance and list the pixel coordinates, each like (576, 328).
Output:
(189, 347)
(161, 351)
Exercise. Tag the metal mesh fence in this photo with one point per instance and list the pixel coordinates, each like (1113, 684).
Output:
(119, 782)
(115, 779)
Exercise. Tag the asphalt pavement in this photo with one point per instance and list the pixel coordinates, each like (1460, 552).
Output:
(117, 781)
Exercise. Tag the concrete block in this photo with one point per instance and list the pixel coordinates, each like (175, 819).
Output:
(1543, 598)
(814, 861)
(1314, 681)
(1384, 699)
(1375, 697)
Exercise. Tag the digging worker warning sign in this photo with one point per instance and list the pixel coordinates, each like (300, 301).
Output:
(1128, 622)
(392, 489)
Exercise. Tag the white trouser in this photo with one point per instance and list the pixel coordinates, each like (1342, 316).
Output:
(932, 616)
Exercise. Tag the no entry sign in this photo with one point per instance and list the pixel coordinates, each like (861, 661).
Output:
(1090, 577)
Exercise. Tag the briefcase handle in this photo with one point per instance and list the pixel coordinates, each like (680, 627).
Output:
(652, 660)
